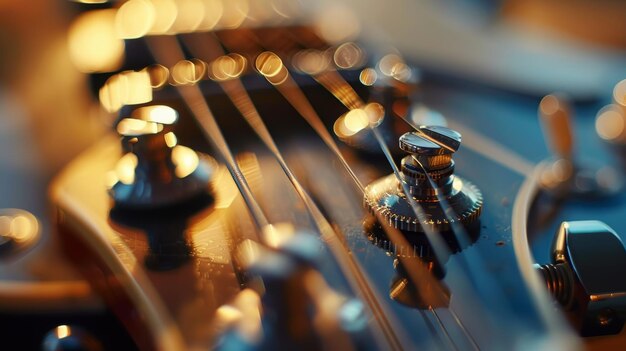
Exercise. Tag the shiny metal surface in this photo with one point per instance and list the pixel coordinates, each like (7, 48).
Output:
(429, 162)
(156, 171)
(586, 276)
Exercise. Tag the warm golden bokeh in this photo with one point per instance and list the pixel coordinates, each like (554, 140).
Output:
(93, 43)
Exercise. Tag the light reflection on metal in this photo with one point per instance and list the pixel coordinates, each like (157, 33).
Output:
(276, 235)
(124, 170)
(349, 56)
(337, 23)
(350, 123)
(170, 139)
(619, 93)
(156, 171)
(249, 252)
(19, 230)
(393, 66)
(213, 10)
(311, 61)
(554, 114)
(165, 13)
(185, 160)
(158, 74)
(228, 190)
(272, 68)
(243, 315)
(227, 67)
(375, 113)
(187, 72)
(161, 114)
(126, 88)
(234, 13)
(368, 76)
(611, 124)
(136, 127)
(260, 13)
(420, 114)
(268, 64)
(189, 16)
(358, 119)
(134, 19)
(93, 43)
(63, 331)
(286, 8)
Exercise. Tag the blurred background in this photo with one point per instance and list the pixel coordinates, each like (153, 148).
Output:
(527, 46)
(49, 51)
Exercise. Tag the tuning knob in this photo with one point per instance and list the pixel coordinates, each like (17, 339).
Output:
(299, 309)
(430, 158)
(156, 171)
(565, 175)
(586, 276)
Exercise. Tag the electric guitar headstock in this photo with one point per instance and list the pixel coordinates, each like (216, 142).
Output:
(271, 183)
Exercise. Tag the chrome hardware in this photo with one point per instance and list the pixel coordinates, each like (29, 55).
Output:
(430, 156)
(295, 298)
(586, 276)
(156, 171)
(68, 338)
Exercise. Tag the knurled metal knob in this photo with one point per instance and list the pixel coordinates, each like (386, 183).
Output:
(430, 158)
(156, 171)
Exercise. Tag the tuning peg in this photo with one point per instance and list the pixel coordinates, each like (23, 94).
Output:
(565, 175)
(586, 276)
(555, 115)
(430, 158)
(155, 171)
(299, 309)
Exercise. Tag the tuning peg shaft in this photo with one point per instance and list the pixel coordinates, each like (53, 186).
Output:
(564, 175)
(156, 171)
(555, 115)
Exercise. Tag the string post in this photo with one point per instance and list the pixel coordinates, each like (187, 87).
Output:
(428, 173)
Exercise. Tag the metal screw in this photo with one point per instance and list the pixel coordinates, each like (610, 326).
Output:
(433, 146)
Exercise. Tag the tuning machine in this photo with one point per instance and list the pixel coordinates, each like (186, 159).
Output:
(565, 175)
(298, 308)
(586, 276)
(427, 160)
(155, 170)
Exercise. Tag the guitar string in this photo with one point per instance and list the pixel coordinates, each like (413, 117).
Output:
(239, 96)
(436, 241)
(486, 285)
(301, 103)
(298, 100)
(317, 124)
(244, 186)
(194, 99)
